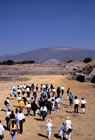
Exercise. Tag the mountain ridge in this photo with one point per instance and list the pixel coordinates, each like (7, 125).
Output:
(62, 54)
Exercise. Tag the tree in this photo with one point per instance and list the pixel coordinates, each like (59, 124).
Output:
(87, 60)
(8, 62)
(69, 61)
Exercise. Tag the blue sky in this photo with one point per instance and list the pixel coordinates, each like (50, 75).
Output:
(31, 24)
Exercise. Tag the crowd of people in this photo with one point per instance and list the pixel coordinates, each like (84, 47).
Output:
(49, 100)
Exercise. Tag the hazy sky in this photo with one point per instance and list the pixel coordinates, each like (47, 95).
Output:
(32, 24)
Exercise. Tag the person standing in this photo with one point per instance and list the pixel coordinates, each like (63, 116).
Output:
(83, 102)
(13, 129)
(76, 104)
(16, 116)
(37, 87)
(62, 91)
(12, 117)
(34, 108)
(58, 92)
(1, 131)
(7, 104)
(43, 111)
(68, 91)
(49, 127)
(21, 119)
(8, 113)
(68, 125)
(34, 95)
(70, 98)
(28, 106)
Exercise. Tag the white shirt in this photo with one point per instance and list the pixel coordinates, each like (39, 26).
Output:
(19, 91)
(14, 87)
(44, 86)
(7, 100)
(11, 92)
(17, 114)
(1, 129)
(19, 98)
(8, 114)
(62, 88)
(58, 100)
(54, 90)
(83, 102)
(28, 105)
(43, 108)
(24, 86)
(76, 101)
(27, 89)
(20, 116)
(68, 124)
(49, 125)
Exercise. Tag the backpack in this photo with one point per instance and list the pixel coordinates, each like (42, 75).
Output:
(5, 102)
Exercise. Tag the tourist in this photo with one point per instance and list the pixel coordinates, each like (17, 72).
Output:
(28, 94)
(58, 92)
(68, 125)
(62, 91)
(7, 104)
(19, 98)
(37, 87)
(21, 104)
(1, 131)
(70, 98)
(24, 99)
(34, 95)
(43, 111)
(15, 93)
(16, 116)
(28, 106)
(11, 92)
(21, 119)
(12, 116)
(68, 91)
(76, 104)
(8, 113)
(34, 108)
(62, 131)
(83, 102)
(49, 127)
(13, 129)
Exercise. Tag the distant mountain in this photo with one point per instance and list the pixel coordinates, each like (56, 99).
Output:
(44, 54)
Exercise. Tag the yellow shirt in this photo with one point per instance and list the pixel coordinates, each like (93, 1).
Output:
(21, 104)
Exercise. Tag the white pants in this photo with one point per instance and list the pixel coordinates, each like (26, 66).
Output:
(68, 136)
(83, 110)
(49, 134)
(61, 133)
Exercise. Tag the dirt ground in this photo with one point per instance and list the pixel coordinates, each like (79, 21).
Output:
(34, 128)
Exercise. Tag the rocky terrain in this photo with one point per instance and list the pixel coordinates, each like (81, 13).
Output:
(86, 73)
(79, 70)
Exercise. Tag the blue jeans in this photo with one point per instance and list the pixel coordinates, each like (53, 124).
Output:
(17, 122)
(13, 137)
(28, 112)
(7, 107)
